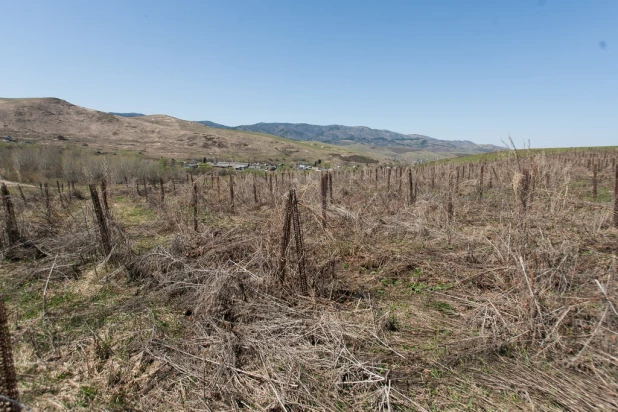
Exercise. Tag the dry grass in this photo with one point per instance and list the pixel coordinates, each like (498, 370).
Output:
(451, 301)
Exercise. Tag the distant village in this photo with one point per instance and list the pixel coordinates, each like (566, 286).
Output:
(240, 166)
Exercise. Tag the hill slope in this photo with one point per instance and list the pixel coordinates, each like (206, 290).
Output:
(43, 120)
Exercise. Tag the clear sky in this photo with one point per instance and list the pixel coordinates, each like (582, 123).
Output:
(543, 70)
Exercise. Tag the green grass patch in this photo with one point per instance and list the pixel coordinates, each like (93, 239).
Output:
(420, 287)
(62, 299)
(134, 214)
(443, 307)
(147, 243)
(86, 395)
(30, 302)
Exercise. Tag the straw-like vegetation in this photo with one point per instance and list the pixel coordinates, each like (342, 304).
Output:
(487, 285)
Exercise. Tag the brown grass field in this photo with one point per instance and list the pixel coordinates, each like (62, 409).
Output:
(487, 284)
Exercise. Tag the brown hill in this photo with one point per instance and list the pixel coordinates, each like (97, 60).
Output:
(55, 121)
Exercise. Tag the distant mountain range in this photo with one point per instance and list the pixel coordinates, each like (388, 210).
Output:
(128, 114)
(215, 125)
(350, 135)
(353, 135)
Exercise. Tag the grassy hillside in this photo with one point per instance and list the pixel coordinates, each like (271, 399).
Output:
(484, 285)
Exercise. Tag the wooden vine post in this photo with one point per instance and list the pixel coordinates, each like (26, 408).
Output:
(194, 205)
(292, 220)
(323, 193)
(8, 378)
(595, 180)
(12, 231)
(232, 193)
(616, 198)
(101, 221)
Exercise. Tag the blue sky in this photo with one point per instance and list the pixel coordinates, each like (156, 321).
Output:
(541, 70)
